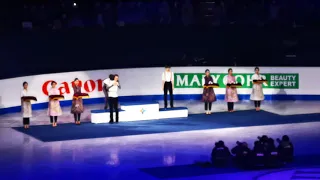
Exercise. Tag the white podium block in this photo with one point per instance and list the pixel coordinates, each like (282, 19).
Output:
(134, 111)
(103, 116)
(137, 111)
(141, 110)
(176, 112)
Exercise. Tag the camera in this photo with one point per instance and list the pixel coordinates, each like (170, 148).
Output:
(263, 138)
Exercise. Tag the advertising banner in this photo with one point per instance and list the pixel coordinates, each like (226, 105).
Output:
(140, 82)
(275, 81)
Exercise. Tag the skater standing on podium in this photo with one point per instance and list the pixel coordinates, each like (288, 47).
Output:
(168, 85)
(113, 87)
(105, 90)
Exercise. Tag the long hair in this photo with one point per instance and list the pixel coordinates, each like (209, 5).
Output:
(111, 77)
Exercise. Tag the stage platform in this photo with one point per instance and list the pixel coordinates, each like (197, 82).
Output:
(138, 111)
(40, 117)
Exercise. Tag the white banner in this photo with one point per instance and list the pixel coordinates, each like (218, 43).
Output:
(147, 81)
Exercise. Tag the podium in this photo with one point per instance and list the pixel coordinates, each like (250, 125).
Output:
(176, 112)
(139, 111)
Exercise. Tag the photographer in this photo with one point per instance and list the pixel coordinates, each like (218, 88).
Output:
(271, 153)
(259, 148)
(270, 146)
(258, 153)
(263, 139)
(261, 145)
(220, 154)
(285, 149)
(242, 154)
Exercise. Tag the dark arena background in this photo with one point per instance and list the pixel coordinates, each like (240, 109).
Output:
(78, 44)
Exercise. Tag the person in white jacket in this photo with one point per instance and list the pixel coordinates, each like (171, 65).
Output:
(113, 87)
(105, 90)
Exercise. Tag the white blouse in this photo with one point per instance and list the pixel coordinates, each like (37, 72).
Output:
(24, 92)
(256, 77)
(167, 76)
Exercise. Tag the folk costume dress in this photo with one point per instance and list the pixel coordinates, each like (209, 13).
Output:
(208, 95)
(54, 108)
(257, 92)
(77, 103)
(26, 108)
(231, 93)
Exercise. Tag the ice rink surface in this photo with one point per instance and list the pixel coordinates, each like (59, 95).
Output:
(24, 157)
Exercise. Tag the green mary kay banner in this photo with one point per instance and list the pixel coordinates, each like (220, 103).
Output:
(275, 81)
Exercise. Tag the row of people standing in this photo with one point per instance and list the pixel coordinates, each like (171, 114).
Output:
(231, 95)
(77, 108)
(208, 95)
(54, 108)
(111, 86)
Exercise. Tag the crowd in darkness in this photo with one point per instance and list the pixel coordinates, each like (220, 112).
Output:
(106, 14)
(264, 154)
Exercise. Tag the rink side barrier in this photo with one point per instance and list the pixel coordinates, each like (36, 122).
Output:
(140, 84)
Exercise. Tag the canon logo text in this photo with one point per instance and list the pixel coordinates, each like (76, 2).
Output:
(64, 87)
